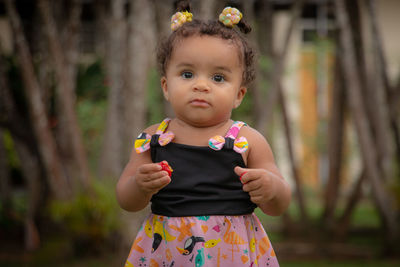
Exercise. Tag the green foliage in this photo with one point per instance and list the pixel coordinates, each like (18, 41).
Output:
(15, 82)
(12, 215)
(366, 215)
(91, 117)
(265, 63)
(91, 82)
(245, 111)
(394, 187)
(12, 158)
(154, 98)
(92, 90)
(341, 263)
(92, 217)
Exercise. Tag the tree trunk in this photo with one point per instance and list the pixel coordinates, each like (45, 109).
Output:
(335, 146)
(262, 39)
(24, 145)
(220, 5)
(264, 16)
(257, 88)
(385, 107)
(71, 142)
(263, 108)
(164, 11)
(32, 173)
(343, 224)
(141, 51)
(293, 163)
(373, 95)
(46, 143)
(111, 161)
(395, 111)
(71, 37)
(348, 61)
(279, 59)
(207, 10)
(5, 186)
(140, 58)
(102, 28)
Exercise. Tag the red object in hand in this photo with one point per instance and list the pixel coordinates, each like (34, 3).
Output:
(165, 167)
(242, 176)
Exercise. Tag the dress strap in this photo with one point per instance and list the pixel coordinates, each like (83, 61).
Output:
(234, 130)
(240, 145)
(163, 126)
(162, 137)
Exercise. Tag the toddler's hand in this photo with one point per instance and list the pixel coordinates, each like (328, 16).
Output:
(259, 183)
(150, 178)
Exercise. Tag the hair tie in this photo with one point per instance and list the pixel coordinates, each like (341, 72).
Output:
(230, 16)
(179, 18)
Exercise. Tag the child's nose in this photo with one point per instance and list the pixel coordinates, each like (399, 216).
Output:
(201, 84)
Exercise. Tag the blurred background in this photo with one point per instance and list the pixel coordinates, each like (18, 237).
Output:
(79, 81)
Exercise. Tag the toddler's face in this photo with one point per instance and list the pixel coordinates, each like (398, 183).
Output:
(203, 80)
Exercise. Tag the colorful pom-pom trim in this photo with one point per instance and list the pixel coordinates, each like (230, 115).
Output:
(230, 16)
(179, 18)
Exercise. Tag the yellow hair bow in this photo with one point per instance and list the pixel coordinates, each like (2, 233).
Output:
(179, 18)
(230, 16)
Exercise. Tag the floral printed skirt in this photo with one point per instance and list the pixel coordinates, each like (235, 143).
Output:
(201, 241)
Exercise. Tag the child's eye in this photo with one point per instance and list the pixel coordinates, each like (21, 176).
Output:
(218, 78)
(187, 75)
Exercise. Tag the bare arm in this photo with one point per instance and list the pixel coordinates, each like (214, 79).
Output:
(262, 179)
(140, 180)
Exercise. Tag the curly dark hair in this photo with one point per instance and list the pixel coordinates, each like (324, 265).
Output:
(209, 28)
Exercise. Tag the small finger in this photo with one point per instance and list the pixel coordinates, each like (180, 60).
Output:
(251, 175)
(159, 183)
(239, 170)
(250, 186)
(148, 168)
(241, 177)
(256, 199)
(255, 193)
(154, 176)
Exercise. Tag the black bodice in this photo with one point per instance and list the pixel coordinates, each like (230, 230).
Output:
(203, 181)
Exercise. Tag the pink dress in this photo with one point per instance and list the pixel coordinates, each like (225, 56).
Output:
(207, 240)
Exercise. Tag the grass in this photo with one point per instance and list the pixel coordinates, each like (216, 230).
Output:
(363, 263)
(363, 246)
(367, 246)
(111, 262)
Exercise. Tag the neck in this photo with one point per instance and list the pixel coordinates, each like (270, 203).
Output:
(192, 134)
(202, 127)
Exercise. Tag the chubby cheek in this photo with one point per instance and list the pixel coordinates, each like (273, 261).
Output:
(226, 103)
(177, 103)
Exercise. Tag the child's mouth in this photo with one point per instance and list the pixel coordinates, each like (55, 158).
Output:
(199, 103)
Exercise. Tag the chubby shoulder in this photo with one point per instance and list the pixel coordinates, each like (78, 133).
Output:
(252, 135)
(259, 154)
(152, 129)
(144, 156)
